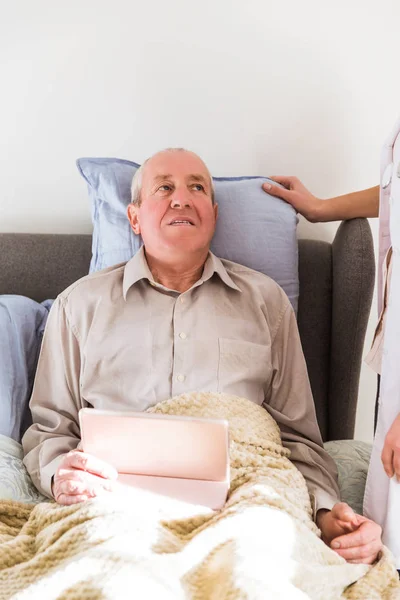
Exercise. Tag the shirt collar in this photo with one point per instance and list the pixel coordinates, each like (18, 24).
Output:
(137, 269)
(214, 265)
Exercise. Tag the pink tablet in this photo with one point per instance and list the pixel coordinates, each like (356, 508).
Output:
(182, 457)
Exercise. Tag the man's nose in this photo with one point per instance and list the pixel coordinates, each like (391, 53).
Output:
(181, 199)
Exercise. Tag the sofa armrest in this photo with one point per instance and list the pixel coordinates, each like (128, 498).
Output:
(353, 276)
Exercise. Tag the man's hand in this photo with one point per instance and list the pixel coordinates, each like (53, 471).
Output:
(355, 538)
(81, 476)
(296, 194)
(391, 450)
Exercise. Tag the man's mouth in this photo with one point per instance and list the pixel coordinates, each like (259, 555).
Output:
(181, 222)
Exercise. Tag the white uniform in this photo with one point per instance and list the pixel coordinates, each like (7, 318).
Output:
(382, 495)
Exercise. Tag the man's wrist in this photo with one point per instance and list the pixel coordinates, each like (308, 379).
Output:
(320, 517)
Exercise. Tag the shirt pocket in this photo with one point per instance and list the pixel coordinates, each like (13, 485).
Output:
(244, 368)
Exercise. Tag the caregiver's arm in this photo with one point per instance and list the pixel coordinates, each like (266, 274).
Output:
(51, 442)
(364, 203)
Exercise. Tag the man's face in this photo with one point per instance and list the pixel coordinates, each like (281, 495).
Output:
(176, 213)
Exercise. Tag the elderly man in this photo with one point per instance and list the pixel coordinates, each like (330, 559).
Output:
(174, 319)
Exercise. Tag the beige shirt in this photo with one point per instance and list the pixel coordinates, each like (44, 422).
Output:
(119, 340)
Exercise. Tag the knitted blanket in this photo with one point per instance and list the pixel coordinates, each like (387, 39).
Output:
(135, 544)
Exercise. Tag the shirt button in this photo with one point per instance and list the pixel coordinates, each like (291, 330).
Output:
(182, 299)
(183, 335)
(181, 378)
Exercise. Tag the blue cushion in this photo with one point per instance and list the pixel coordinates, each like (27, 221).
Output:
(22, 323)
(15, 483)
(254, 229)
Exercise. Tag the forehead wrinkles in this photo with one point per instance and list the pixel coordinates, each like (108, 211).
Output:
(159, 168)
(166, 162)
(188, 177)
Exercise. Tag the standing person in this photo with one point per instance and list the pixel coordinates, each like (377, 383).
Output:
(382, 492)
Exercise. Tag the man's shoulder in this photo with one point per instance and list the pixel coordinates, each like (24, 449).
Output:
(94, 284)
(251, 278)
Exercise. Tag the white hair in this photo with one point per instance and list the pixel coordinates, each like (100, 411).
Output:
(137, 180)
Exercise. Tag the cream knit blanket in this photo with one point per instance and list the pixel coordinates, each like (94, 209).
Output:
(262, 545)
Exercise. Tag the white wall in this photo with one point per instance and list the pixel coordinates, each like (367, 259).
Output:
(257, 87)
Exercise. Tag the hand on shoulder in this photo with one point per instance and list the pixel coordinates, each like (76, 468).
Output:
(296, 194)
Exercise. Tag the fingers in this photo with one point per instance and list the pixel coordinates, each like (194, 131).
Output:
(292, 191)
(66, 500)
(391, 450)
(86, 462)
(357, 538)
(366, 554)
(72, 486)
(387, 460)
(81, 476)
(344, 513)
(74, 483)
(275, 190)
(288, 182)
(362, 545)
(365, 561)
(366, 533)
(396, 464)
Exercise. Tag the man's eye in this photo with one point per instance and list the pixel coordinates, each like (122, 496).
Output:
(198, 187)
(165, 187)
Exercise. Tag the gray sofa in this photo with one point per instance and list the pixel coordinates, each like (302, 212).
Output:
(336, 286)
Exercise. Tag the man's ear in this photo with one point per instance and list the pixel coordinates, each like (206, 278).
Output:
(133, 217)
(216, 211)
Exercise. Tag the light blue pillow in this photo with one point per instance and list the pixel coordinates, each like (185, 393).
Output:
(22, 322)
(15, 482)
(254, 229)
